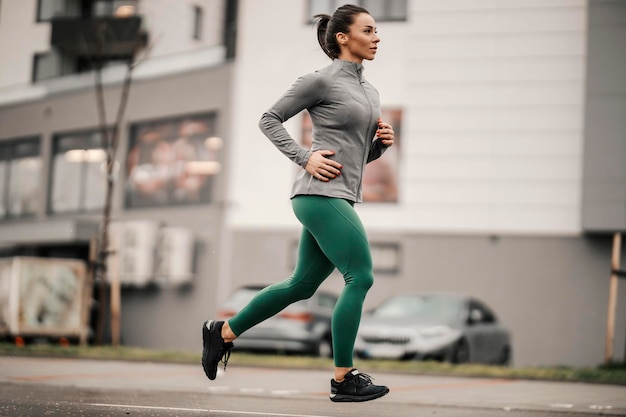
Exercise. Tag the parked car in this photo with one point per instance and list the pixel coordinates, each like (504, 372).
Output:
(437, 326)
(303, 327)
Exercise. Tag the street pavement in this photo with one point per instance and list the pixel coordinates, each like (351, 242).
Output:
(46, 386)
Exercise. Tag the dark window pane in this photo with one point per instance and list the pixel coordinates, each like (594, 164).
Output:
(198, 22)
(397, 9)
(4, 168)
(387, 9)
(381, 10)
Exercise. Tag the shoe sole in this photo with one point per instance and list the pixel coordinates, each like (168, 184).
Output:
(210, 373)
(342, 398)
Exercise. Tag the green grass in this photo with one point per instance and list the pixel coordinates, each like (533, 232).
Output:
(614, 374)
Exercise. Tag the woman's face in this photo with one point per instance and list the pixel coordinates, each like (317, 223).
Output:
(362, 40)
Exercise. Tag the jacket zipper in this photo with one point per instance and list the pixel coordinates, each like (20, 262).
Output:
(365, 153)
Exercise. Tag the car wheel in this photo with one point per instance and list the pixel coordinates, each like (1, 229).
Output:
(505, 356)
(361, 355)
(324, 348)
(460, 352)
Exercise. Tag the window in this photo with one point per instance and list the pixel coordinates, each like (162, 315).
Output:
(480, 313)
(173, 161)
(43, 67)
(78, 173)
(47, 65)
(49, 9)
(229, 32)
(386, 257)
(198, 22)
(381, 10)
(20, 169)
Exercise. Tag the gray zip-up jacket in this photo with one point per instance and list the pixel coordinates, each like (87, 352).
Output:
(344, 109)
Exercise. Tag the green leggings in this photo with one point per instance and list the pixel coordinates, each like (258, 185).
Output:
(332, 237)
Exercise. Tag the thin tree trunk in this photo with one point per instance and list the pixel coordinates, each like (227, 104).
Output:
(100, 267)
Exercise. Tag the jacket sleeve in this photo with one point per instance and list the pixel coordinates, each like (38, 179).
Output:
(376, 150)
(303, 94)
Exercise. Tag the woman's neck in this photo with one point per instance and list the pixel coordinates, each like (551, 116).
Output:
(350, 58)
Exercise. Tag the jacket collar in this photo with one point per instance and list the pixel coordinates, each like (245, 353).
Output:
(351, 67)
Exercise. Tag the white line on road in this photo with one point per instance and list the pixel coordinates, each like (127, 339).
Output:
(151, 407)
(202, 410)
(284, 392)
(562, 405)
(253, 413)
(251, 390)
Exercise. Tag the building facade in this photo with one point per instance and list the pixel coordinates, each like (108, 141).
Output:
(505, 183)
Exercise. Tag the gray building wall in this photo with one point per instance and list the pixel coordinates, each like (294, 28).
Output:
(156, 317)
(552, 292)
(604, 184)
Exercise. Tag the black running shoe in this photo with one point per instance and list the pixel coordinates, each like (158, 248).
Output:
(356, 387)
(214, 349)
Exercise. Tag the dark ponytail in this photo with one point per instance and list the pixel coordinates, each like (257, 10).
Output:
(328, 27)
(321, 21)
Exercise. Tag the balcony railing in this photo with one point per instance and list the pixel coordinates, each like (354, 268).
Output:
(98, 38)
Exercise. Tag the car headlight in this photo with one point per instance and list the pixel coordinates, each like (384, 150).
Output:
(435, 331)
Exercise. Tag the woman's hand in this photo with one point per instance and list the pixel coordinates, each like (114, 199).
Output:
(321, 167)
(385, 133)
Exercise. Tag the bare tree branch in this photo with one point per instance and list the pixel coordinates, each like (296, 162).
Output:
(111, 140)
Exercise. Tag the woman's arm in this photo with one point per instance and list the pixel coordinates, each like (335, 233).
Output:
(304, 93)
(384, 139)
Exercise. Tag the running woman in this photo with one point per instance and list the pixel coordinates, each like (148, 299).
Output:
(347, 134)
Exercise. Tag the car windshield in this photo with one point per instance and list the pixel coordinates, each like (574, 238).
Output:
(422, 306)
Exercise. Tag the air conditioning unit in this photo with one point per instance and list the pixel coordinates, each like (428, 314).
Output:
(175, 255)
(132, 245)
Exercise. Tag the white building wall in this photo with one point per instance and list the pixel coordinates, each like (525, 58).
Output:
(274, 47)
(492, 93)
(170, 24)
(172, 46)
(21, 36)
(496, 111)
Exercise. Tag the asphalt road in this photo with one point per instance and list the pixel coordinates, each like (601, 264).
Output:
(75, 387)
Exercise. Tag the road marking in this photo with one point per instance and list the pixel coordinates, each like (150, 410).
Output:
(277, 392)
(562, 405)
(201, 410)
(251, 390)
(256, 413)
(284, 392)
(601, 407)
(218, 389)
(151, 407)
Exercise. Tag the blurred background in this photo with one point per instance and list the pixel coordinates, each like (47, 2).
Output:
(508, 181)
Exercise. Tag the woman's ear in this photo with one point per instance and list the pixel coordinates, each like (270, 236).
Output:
(342, 38)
